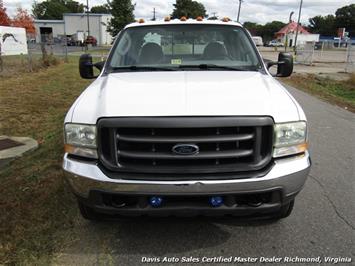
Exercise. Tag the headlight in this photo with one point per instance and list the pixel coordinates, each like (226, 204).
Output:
(290, 139)
(80, 140)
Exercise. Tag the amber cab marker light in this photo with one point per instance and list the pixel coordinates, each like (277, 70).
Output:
(141, 20)
(226, 19)
(199, 18)
(167, 19)
(183, 18)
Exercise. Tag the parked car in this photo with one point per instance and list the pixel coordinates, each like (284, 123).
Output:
(204, 130)
(91, 40)
(258, 40)
(318, 45)
(70, 41)
(79, 38)
(275, 43)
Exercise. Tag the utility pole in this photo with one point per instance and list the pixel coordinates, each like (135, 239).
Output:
(298, 25)
(88, 16)
(289, 21)
(88, 21)
(240, 6)
(154, 15)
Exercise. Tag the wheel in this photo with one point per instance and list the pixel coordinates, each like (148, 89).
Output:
(285, 211)
(89, 213)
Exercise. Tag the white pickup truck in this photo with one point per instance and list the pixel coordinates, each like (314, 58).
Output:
(185, 119)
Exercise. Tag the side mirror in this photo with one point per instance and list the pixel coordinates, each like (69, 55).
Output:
(284, 65)
(100, 65)
(86, 68)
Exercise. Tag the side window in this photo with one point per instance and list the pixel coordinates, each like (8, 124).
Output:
(206, 38)
(189, 43)
(178, 43)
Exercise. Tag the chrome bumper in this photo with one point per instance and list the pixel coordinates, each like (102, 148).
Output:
(287, 175)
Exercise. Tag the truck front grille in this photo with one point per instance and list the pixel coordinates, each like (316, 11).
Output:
(225, 144)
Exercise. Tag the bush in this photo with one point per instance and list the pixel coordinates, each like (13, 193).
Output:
(50, 60)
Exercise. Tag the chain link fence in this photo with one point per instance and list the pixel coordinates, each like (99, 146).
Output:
(49, 51)
(305, 53)
(322, 53)
(350, 59)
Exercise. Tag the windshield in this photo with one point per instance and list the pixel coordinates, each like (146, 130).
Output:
(178, 47)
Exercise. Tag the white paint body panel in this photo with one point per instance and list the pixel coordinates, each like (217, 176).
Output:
(185, 93)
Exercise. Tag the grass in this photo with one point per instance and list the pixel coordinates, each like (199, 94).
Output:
(18, 64)
(339, 92)
(34, 201)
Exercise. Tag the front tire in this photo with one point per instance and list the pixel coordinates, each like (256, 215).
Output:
(88, 213)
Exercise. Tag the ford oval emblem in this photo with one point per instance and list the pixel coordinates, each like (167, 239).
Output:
(186, 149)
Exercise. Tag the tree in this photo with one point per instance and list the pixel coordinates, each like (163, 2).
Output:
(189, 9)
(122, 14)
(253, 28)
(4, 18)
(269, 29)
(345, 18)
(24, 20)
(323, 25)
(54, 9)
(102, 9)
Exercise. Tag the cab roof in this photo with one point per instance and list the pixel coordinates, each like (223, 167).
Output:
(142, 22)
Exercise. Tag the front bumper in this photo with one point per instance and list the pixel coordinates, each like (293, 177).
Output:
(287, 176)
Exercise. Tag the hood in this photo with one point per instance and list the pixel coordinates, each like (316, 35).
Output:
(185, 93)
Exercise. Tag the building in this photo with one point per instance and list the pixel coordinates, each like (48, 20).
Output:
(74, 24)
(288, 35)
(48, 29)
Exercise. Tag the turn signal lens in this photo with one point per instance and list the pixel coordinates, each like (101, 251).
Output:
(286, 151)
(80, 151)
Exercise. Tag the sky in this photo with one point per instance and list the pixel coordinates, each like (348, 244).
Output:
(260, 11)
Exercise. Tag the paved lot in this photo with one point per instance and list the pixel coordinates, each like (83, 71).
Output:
(327, 62)
(326, 56)
(322, 224)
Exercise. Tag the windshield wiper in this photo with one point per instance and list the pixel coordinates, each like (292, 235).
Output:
(143, 68)
(212, 66)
